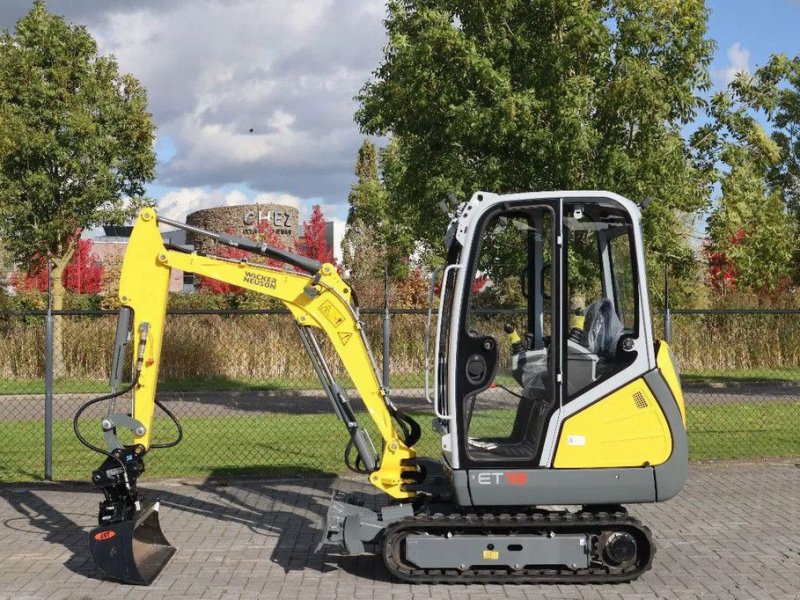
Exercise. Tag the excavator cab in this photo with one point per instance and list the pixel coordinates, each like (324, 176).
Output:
(570, 400)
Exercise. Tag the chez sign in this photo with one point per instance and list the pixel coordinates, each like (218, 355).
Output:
(281, 221)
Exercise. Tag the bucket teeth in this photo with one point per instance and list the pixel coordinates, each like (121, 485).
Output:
(132, 551)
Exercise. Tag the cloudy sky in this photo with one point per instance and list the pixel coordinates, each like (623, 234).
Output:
(215, 69)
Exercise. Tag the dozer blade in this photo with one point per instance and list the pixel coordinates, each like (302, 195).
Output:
(132, 551)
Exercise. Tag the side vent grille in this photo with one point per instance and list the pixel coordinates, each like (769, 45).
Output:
(640, 400)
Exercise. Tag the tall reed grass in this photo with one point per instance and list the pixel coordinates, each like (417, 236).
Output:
(264, 347)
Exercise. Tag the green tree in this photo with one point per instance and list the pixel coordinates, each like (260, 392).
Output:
(76, 141)
(774, 89)
(751, 235)
(513, 95)
(376, 235)
(367, 197)
(751, 228)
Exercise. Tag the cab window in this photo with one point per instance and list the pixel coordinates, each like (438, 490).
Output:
(602, 295)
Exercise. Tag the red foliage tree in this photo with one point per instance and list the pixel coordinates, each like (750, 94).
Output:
(478, 285)
(411, 291)
(266, 234)
(83, 274)
(315, 243)
(721, 269)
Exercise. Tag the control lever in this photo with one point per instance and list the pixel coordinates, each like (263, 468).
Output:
(516, 342)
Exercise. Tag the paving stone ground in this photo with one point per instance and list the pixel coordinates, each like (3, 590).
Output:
(734, 532)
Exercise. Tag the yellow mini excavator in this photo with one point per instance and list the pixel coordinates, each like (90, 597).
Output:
(546, 431)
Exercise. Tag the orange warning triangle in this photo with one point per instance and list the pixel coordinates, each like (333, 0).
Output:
(344, 337)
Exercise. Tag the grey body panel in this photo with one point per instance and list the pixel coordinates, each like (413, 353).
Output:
(464, 551)
(460, 481)
(671, 475)
(624, 485)
(491, 487)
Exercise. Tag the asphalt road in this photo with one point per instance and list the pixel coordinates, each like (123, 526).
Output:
(236, 403)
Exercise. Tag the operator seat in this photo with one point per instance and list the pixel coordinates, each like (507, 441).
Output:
(601, 329)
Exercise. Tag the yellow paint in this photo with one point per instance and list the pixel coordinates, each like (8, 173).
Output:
(616, 431)
(144, 286)
(324, 305)
(669, 371)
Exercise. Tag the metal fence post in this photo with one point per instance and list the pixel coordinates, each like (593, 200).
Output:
(667, 313)
(48, 380)
(386, 327)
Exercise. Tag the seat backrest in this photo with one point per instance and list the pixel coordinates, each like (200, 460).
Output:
(601, 329)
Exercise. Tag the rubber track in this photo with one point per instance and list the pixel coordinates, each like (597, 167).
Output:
(523, 523)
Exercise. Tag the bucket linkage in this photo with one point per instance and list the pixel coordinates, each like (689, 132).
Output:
(128, 545)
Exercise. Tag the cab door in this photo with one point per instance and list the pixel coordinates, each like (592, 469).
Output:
(502, 405)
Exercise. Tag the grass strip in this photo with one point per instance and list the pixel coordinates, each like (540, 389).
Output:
(279, 443)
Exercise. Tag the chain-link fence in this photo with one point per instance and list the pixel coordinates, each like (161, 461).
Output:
(249, 401)
(741, 381)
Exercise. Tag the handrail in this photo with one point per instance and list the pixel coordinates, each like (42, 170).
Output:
(431, 291)
(440, 415)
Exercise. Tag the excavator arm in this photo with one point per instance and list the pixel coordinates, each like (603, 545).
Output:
(317, 300)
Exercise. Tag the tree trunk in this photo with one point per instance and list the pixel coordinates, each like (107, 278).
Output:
(59, 264)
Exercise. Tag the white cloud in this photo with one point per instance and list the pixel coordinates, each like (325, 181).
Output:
(179, 203)
(738, 62)
(288, 71)
(214, 69)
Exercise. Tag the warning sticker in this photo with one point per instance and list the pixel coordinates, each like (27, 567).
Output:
(344, 337)
(576, 440)
(329, 312)
(491, 555)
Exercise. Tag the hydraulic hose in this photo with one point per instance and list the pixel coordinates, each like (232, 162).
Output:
(125, 390)
(410, 429)
(92, 402)
(412, 432)
(174, 419)
(356, 466)
(116, 394)
(97, 449)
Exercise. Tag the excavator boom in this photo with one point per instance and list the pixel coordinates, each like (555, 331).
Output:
(318, 300)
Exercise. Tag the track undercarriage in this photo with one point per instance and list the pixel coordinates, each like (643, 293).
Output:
(444, 544)
(529, 547)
